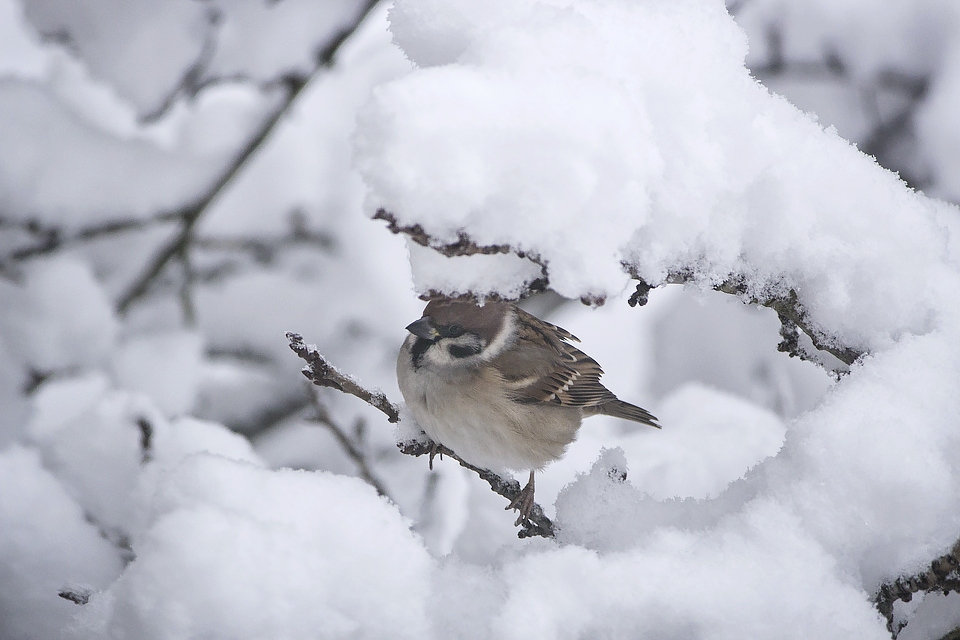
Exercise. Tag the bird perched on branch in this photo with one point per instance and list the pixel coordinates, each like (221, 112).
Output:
(502, 388)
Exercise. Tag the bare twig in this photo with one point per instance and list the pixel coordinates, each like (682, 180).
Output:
(265, 250)
(47, 239)
(535, 524)
(293, 85)
(323, 374)
(189, 83)
(464, 246)
(353, 450)
(943, 576)
(789, 310)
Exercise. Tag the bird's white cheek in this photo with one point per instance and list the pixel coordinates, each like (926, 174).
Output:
(504, 338)
(438, 357)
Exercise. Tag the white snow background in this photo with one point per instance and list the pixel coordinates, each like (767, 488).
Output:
(163, 457)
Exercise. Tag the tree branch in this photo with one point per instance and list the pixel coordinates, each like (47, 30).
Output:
(76, 594)
(791, 313)
(323, 374)
(353, 451)
(48, 238)
(464, 246)
(943, 575)
(535, 524)
(789, 310)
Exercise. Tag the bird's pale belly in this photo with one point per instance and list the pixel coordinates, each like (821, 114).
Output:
(505, 435)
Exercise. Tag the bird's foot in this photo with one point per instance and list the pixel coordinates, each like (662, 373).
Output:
(435, 449)
(523, 502)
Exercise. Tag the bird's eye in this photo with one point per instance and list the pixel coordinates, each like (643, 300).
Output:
(454, 330)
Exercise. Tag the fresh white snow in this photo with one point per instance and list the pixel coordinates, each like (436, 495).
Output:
(599, 136)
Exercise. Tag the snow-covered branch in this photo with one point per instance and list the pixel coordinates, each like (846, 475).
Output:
(942, 576)
(535, 524)
(789, 310)
(792, 316)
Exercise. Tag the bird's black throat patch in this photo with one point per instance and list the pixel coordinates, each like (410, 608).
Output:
(463, 350)
(420, 347)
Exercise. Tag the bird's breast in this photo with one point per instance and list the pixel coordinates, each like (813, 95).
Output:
(469, 412)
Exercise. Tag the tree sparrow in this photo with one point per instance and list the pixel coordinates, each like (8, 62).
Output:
(502, 388)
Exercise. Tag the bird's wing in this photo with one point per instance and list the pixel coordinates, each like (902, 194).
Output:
(543, 367)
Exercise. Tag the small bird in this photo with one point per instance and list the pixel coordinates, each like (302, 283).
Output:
(501, 388)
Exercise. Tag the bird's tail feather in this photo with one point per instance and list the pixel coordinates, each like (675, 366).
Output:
(627, 411)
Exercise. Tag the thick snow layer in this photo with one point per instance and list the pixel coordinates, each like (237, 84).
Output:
(60, 318)
(58, 167)
(597, 134)
(587, 134)
(313, 555)
(665, 154)
(109, 38)
(46, 544)
(184, 42)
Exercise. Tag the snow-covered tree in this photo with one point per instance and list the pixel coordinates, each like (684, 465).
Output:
(183, 182)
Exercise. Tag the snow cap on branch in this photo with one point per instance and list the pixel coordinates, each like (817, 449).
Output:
(611, 137)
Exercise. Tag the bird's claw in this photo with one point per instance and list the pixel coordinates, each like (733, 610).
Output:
(523, 502)
(435, 450)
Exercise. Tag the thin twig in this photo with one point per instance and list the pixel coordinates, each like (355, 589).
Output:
(323, 374)
(535, 524)
(353, 451)
(464, 246)
(789, 310)
(265, 250)
(943, 576)
(48, 238)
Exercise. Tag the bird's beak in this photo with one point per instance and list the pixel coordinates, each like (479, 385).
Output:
(423, 329)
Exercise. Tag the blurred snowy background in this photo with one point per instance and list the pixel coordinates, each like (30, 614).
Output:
(183, 181)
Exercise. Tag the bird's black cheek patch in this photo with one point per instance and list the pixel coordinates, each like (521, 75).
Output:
(463, 350)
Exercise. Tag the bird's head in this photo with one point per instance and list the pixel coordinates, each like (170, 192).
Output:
(459, 333)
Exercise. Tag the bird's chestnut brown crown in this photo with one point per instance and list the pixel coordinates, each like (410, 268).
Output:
(453, 318)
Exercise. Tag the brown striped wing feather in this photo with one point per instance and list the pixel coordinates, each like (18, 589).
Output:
(544, 367)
